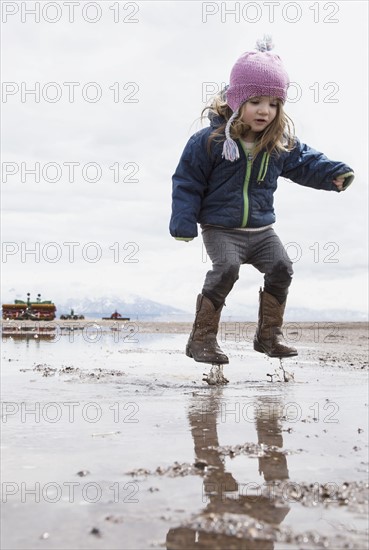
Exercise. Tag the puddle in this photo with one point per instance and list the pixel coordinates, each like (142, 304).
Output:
(121, 444)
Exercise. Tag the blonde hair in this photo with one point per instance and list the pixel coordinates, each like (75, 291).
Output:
(277, 137)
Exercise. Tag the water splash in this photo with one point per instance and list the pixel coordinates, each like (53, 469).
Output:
(281, 375)
(216, 376)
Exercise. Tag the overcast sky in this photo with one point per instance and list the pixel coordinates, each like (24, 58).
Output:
(141, 75)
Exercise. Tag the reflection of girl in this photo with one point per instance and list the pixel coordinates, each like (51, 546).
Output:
(225, 180)
(224, 496)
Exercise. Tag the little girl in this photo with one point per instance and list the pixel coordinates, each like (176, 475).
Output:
(225, 181)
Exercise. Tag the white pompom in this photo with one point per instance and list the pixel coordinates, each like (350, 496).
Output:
(265, 44)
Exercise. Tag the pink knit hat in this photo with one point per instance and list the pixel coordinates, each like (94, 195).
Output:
(255, 73)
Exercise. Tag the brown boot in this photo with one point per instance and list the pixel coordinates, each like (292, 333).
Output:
(202, 344)
(269, 338)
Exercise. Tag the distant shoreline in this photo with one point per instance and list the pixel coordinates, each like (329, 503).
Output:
(169, 327)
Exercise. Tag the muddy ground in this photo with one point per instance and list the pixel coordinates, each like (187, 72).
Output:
(111, 439)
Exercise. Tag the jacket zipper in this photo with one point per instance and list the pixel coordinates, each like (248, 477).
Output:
(249, 159)
(245, 190)
(262, 173)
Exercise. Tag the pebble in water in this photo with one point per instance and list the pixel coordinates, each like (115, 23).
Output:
(83, 473)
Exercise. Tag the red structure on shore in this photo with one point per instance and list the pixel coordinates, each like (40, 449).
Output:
(117, 316)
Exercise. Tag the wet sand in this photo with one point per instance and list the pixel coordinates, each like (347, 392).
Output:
(110, 439)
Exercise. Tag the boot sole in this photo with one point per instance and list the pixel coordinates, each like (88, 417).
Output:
(189, 354)
(258, 347)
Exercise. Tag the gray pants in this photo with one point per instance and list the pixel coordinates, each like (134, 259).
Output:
(228, 249)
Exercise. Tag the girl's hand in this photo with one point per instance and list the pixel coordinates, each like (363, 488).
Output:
(338, 182)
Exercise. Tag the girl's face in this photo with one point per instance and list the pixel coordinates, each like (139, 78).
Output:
(258, 113)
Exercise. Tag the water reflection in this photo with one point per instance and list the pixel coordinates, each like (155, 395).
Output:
(34, 338)
(222, 492)
(22, 331)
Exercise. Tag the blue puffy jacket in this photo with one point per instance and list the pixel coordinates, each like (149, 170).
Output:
(208, 189)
